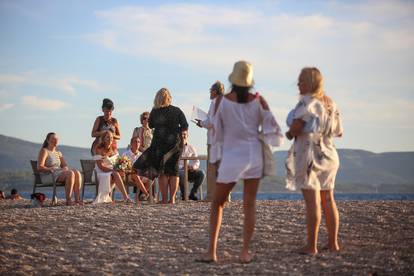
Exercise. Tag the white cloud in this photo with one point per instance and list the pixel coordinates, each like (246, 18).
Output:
(69, 84)
(276, 43)
(43, 104)
(6, 106)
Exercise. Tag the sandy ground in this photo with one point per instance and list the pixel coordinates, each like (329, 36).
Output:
(377, 237)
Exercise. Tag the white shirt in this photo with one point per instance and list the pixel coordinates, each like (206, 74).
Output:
(207, 123)
(132, 156)
(189, 151)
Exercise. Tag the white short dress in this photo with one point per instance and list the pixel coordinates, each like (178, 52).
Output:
(236, 126)
(313, 161)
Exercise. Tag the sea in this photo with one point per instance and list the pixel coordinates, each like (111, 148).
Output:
(90, 194)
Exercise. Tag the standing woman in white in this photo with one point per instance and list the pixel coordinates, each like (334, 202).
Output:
(236, 126)
(312, 161)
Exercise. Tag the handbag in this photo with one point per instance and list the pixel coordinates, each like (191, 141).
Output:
(269, 163)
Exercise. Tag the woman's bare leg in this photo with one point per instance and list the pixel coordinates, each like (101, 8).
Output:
(69, 178)
(163, 184)
(332, 218)
(249, 207)
(221, 192)
(137, 180)
(77, 185)
(173, 184)
(313, 219)
(120, 184)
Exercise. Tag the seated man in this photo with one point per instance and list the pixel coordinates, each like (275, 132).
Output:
(195, 175)
(133, 154)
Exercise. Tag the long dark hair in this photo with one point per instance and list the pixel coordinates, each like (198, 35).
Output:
(241, 92)
(46, 143)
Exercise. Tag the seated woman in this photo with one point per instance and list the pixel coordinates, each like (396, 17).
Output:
(133, 153)
(52, 166)
(105, 159)
(144, 132)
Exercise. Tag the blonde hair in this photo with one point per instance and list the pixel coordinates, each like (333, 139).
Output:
(101, 141)
(313, 77)
(162, 98)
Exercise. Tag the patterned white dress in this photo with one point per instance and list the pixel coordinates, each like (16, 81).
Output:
(313, 161)
(52, 161)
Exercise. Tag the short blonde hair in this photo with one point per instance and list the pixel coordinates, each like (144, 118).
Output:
(162, 98)
(146, 113)
(313, 77)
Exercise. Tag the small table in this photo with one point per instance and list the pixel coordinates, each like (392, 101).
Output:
(185, 160)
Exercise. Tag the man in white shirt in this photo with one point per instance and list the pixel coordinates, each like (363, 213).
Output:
(195, 174)
(133, 154)
(213, 151)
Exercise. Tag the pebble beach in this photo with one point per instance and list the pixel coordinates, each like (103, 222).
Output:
(377, 238)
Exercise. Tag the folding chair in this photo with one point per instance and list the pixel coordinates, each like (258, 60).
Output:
(37, 183)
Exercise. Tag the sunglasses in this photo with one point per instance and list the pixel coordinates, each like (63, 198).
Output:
(145, 118)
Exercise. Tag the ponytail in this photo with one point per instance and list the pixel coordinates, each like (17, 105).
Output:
(46, 143)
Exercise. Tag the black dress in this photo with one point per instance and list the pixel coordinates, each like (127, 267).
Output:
(162, 157)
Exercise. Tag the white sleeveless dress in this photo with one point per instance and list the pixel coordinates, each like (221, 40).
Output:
(104, 179)
(236, 126)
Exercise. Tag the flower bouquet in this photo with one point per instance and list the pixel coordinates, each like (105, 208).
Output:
(123, 164)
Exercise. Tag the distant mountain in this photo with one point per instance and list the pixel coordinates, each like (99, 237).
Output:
(16, 153)
(360, 170)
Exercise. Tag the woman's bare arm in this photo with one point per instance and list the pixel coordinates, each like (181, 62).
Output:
(295, 129)
(41, 162)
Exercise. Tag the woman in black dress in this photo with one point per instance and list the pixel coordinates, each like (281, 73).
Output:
(161, 158)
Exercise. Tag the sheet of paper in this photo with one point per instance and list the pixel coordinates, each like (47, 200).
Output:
(199, 114)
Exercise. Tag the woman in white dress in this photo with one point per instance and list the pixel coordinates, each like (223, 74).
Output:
(105, 159)
(52, 166)
(313, 161)
(236, 125)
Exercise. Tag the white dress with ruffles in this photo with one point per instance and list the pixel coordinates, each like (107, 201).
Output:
(313, 161)
(236, 127)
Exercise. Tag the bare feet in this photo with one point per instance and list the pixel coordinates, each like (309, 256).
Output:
(245, 257)
(207, 258)
(127, 200)
(308, 251)
(331, 248)
(70, 203)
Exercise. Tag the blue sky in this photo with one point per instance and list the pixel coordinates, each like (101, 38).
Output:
(59, 59)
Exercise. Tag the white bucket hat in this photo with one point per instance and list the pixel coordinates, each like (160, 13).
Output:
(242, 74)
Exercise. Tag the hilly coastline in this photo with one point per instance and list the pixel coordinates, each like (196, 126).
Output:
(360, 171)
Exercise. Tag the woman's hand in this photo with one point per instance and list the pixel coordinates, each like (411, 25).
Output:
(289, 135)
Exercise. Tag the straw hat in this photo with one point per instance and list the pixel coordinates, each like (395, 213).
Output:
(242, 74)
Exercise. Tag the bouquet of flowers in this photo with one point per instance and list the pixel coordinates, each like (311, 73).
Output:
(123, 164)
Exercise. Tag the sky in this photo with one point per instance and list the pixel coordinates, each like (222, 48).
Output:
(59, 59)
